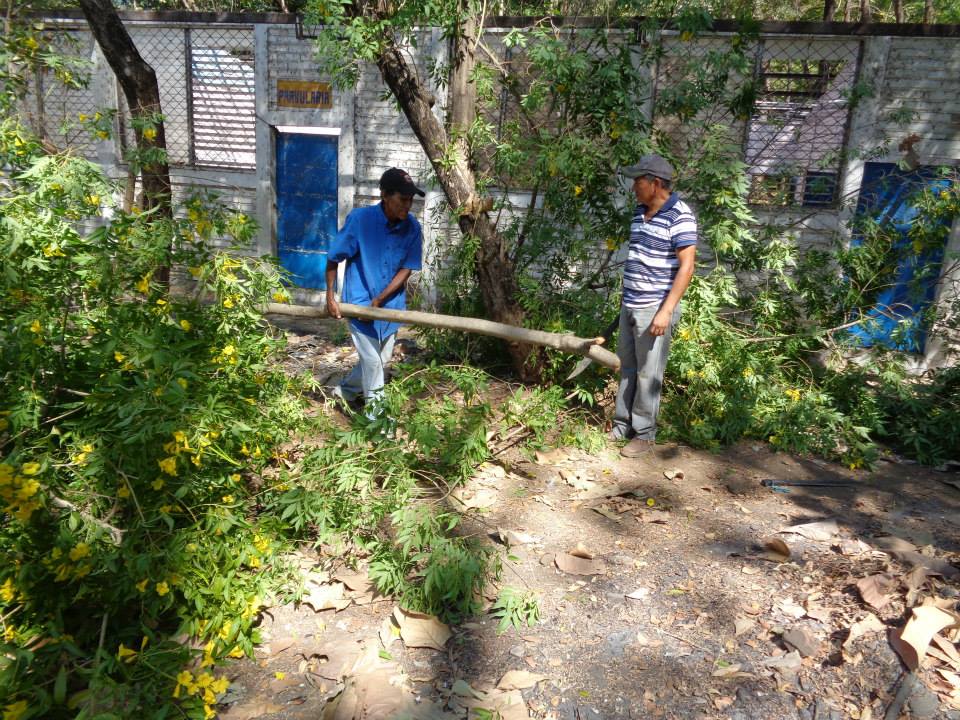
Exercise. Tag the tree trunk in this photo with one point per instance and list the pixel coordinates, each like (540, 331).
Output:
(496, 273)
(829, 9)
(866, 14)
(139, 83)
(927, 12)
(898, 11)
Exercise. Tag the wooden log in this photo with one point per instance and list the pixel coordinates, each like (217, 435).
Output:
(588, 347)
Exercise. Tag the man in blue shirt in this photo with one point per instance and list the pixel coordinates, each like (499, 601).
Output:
(382, 245)
(659, 266)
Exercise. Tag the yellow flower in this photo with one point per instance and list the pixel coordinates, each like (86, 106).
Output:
(36, 327)
(228, 350)
(15, 711)
(93, 200)
(280, 297)
(53, 250)
(685, 334)
(651, 502)
(194, 271)
(82, 117)
(142, 585)
(162, 588)
(7, 591)
(227, 303)
(204, 680)
(279, 675)
(237, 652)
(126, 655)
(182, 382)
(119, 356)
(235, 477)
(793, 394)
(168, 465)
(577, 190)
(143, 286)
(158, 484)
(150, 134)
(253, 561)
(79, 551)
(209, 713)
(28, 490)
(227, 499)
(180, 436)
(185, 324)
(30, 468)
(184, 680)
(748, 372)
(123, 491)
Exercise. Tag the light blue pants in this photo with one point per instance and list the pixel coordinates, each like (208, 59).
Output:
(368, 375)
(643, 358)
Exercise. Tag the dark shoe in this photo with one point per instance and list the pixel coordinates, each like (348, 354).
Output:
(638, 447)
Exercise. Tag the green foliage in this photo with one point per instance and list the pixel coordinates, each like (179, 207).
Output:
(515, 608)
(132, 417)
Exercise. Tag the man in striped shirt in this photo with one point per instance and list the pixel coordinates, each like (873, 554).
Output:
(660, 264)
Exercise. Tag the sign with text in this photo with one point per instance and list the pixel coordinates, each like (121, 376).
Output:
(304, 94)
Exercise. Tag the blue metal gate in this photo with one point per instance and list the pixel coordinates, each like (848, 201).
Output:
(306, 205)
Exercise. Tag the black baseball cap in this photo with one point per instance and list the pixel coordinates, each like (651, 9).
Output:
(396, 180)
(650, 165)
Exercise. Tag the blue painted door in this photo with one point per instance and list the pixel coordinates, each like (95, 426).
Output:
(306, 205)
(887, 196)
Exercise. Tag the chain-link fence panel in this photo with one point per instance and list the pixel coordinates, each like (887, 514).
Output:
(795, 139)
(54, 109)
(785, 101)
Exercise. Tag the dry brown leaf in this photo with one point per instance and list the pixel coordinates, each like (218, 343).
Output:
(776, 549)
(578, 566)
(477, 498)
(519, 680)
(722, 702)
(606, 512)
(912, 641)
(934, 566)
(875, 590)
(358, 582)
(639, 594)
(552, 457)
(742, 625)
(515, 537)
(419, 630)
(577, 479)
(948, 649)
(649, 515)
(915, 579)
(730, 671)
(674, 474)
(821, 530)
(248, 711)
(325, 597)
(892, 543)
(581, 552)
(869, 624)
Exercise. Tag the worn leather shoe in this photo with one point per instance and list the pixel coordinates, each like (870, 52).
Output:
(638, 447)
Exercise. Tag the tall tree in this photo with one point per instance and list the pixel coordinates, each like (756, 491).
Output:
(140, 88)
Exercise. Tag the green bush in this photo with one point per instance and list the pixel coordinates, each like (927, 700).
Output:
(132, 419)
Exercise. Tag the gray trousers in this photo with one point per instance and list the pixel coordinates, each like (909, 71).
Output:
(643, 358)
(368, 375)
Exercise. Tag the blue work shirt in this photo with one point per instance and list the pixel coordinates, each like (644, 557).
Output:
(376, 250)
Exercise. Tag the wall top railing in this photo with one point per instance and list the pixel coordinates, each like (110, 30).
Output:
(855, 29)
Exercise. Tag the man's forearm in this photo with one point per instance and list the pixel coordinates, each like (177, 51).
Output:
(395, 285)
(680, 284)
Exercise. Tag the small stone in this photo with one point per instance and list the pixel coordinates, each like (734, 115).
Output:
(803, 641)
(518, 651)
(923, 703)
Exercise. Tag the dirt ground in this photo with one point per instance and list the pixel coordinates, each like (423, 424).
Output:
(693, 590)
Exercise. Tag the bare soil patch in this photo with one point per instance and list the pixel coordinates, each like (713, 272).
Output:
(711, 588)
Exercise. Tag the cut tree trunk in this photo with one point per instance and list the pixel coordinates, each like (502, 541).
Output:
(588, 347)
(140, 88)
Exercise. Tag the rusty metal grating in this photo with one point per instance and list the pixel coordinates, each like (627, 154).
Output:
(791, 119)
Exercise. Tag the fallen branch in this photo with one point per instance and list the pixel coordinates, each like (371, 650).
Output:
(588, 347)
(116, 534)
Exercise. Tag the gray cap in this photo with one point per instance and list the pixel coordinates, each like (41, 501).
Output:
(650, 165)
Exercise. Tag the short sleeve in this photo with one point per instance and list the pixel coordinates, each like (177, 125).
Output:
(684, 230)
(345, 245)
